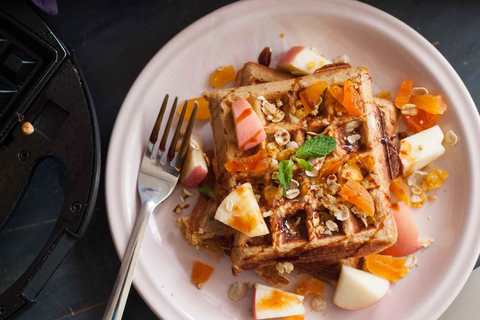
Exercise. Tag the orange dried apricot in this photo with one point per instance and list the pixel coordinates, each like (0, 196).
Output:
(355, 193)
(400, 190)
(201, 272)
(202, 114)
(255, 164)
(351, 99)
(336, 92)
(221, 76)
(404, 93)
(309, 285)
(429, 103)
(421, 121)
(311, 95)
(387, 267)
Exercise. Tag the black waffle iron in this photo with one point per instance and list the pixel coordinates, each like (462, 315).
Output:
(41, 86)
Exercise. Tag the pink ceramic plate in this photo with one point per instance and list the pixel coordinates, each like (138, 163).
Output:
(237, 33)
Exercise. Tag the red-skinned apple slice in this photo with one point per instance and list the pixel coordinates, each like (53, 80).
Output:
(272, 303)
(357, 289)
(195, 168)
(301, 61)
(408, 239)
(248, 126)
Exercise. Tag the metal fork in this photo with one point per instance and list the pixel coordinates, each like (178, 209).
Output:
(157, 177)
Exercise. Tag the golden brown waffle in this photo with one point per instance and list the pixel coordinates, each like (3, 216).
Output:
(299, 229)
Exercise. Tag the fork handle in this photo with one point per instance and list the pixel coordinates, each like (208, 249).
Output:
(119, 295)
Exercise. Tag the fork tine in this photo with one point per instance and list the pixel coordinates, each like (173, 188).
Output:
(173, 144)
(186, 138)
(163, 142)
(156, 127)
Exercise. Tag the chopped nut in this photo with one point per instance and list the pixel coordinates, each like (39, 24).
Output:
(186, 193)
(292, 193)
(342, 212)
(267, 213)
(265, 56)
(292, 145)
(417, 91)
(178, 209)
(332, 226)
(354, 138)
(450, 138)
(318, 304)
(282, 137)
(238, 290)
(416, 190)
(426, 242)
(351, 126)
(270, 110)
(416, 178)
(284, 267)
(409, 109)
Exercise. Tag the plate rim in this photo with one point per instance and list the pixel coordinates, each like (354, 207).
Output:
(163, 308)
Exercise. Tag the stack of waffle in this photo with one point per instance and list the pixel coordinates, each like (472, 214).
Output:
(311, 225)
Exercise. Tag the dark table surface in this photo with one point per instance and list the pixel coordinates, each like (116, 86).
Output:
(113, 41)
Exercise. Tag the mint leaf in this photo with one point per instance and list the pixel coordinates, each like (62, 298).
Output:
(318, 146)
(285, 173)
(304, 164)
(206, 191)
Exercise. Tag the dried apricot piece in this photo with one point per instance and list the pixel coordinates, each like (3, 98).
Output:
(387, 267)
(202, 114)
(312, 95)
(255, 164)
(351, 99)
(400, 190)
(221, 76)
(336, 92)
(421, 121)
(310, 286)
(201, 272)
(404, 93)
(429, 103)
(355, 193)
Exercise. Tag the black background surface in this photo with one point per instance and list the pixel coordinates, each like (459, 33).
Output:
(113, 40)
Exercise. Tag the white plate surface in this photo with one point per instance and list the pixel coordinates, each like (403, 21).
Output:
(235, 34)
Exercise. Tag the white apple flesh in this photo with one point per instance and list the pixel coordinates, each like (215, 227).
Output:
(195, 168)
(240, 211)
(420, 149)
(269, 303)
(302, 61)
(357, 289)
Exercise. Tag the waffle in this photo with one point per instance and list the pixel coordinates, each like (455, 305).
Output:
(298, 231)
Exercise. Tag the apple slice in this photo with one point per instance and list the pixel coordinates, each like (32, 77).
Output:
(418, 150)
(248, 126)
(195, 168)
(301, 61)
(408, 240)
(357, 289)
(271, 303)
(240, 211)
